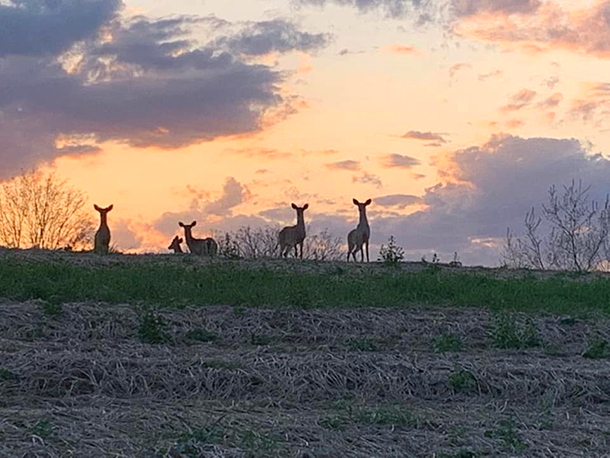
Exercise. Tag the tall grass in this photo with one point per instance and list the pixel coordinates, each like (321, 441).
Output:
(175, 285)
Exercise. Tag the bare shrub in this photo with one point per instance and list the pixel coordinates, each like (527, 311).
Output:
(578, 237)
(262, 242)
(40, 210)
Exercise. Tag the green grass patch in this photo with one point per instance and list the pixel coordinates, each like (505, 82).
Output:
(597, 349)
(179, 284)
(369, 416)
(448, 342)
(152, 328)
(202, 335)
(509, 331)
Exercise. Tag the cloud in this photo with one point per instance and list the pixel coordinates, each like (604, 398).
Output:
(368, 178)
(399, 161)
(519, 100)
(551, 102)
(471, 7)
(401, 50)
(488, 188)
(261, 153)
(583, 30)
(40, 28)
(344, 165)
(594, 106)
(150, 85)
(424, 136)
(278, 35)
(207, 212)
(391, 8)
(492, 74)
(124, 237)
(400, 201)
(233, 194)
(456, 68)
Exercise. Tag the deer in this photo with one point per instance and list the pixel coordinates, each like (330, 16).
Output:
(175, 245)
(361, 235)
(202, 247)
(102, 236)
(293, 236)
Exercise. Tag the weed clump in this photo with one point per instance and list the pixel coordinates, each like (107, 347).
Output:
(597, 349)
(509, 332)
(152, 328)
(391, 254)
(448, 342)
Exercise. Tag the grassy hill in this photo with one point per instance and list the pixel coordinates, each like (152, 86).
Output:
(154, 356)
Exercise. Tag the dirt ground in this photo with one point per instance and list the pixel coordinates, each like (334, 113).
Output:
(254, 382)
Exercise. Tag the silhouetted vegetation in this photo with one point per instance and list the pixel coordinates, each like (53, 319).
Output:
(578, 237)
(38, 210)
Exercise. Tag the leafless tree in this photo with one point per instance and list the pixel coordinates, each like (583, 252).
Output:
(254, 243)
(579, 233)
(40, 210)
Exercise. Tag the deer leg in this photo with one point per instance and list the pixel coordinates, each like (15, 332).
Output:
(367, 251)
(361, 253)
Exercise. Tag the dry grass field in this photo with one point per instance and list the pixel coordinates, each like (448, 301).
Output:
(173, 356)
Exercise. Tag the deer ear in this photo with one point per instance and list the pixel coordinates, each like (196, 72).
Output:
(355, 201)
(109, 208)
(305, 207)
(180, 240)
(194, 223)
(181, 224)
(368, 202)
(96, 207)
(294, 206)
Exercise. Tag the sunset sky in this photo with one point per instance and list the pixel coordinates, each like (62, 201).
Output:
(454, 116)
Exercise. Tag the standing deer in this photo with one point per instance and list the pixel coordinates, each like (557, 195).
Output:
(102, 236)
(202, 247)
(361, 235)
(175, 245)
(292, 236)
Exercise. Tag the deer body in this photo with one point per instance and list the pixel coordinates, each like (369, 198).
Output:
(102, 236)
(175, 245)
(201, 247)
(293, 236)
(359, 237)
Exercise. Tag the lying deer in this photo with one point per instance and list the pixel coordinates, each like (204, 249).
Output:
(202, 247)
(175, 245)
(293, 236)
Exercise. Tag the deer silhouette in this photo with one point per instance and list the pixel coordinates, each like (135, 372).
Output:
(201, 247)
(293, 236)
(102, 236)
(175, 245)
(361, 235)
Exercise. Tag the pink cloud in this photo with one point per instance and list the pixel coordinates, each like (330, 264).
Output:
(519, 100)
(546, 27)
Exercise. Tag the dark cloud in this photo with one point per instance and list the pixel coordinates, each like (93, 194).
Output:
(471, 7)
(399, 161)
(491, 188)
(149, 86)
(124, 237)
(424, 136)
(397, 200)
(43, 27)
(259, 38)
(419, 9)
(344, 165)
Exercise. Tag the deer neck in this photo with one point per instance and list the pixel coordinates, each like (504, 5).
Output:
(103, 220)
(363, 224)
(188, 235)
(301, 223)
